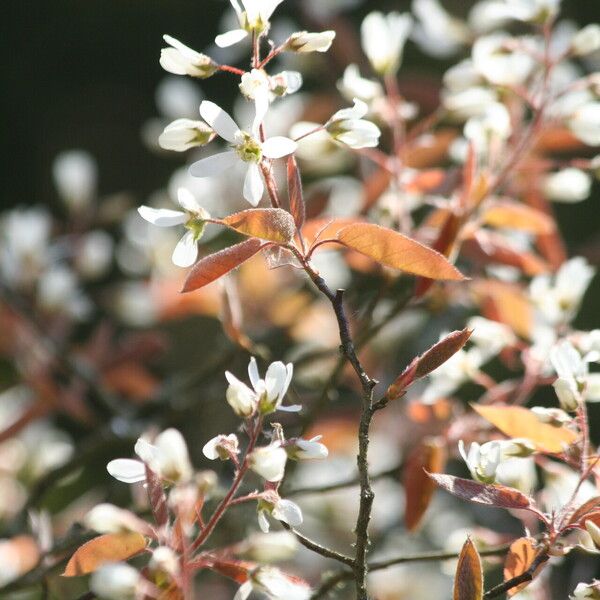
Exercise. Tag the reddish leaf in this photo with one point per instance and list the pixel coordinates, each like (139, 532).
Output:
(324, 228)
(482, 493)
(519, 558)
(216, 265)
(397, 251)
(237, 570)
(427, 457)
(111, 547)
(586, 509)
(272, 224)
(296, 197)
(513, 215)
(468, 581)
(519, 422)
(429, 361)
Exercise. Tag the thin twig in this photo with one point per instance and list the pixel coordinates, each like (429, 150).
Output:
(319, 548)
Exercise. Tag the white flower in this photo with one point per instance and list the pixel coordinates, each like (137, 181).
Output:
(572, 373)
(181, 60)
(221, 446)
(300, 449)
(491, 127)
(437, 32)
(558, 299)
(285, 83)
(303, 41)
(269, 462)
(490, 337)
(94, 254)
(245, 147)
(348, 127)
(108, 518)
(193, 217)
(383, 38)
(58, 291)
(269, 547)
(587, 591)
(168, 457)
(75, 176)
(462, 76)
(115, 581)
(253, 16)
(183, 134)
(498, 65)
(275, 585)
(585, 123)
(266, 394)
(482, 460)
(568, 185)
(164, 560)
(352, 85)
(282, 510)
(586, 40)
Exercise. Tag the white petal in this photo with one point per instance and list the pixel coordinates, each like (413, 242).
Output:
(219, 120)
(291, 408)
(230, 38)
(253, 373)
(162, 217)
(187, 200)
(186, 251)
(263, 522)
(288, 512)
(244, 591)
(261, 103)
(147, 452)
(278, 146)
(127, 470)
(253, 185)
(275, 380)
(210, 448)
(214, 165)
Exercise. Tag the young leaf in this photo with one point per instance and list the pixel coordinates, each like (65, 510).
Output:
(430, 360)
(519, 422)
(427, 457)
(272, 224)
(468, 581)
(521, 555)
(111, 547)
(483, 493)
(513, 215)
(295, 194)
(237, 570)
(210, 268)
(585, 510)
(392, 249)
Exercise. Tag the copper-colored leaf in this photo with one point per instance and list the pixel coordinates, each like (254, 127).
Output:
(430, 360)
(519, 558)
(468, 581)
(111, 547)
(216, 265)
(483, 493)
(238, 570)
(429, 456)
(519, 422)
(295, 195)
(586, 509)
(324, 228)
(513, 215)
(397, 251)
(272, 224)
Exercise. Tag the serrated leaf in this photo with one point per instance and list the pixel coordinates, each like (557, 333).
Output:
(520, 556)
(214, 266)
(394, 250)
(498, 496)
(295, 194)
(519, 422)
(112, 547)
(468, 581)
(429, 456)
(429, 361)
(272, 224)
(513, 215)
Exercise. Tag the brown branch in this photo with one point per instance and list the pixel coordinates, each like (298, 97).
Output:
(525, 577)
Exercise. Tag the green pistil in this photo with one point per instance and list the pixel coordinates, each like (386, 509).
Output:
(249, 150)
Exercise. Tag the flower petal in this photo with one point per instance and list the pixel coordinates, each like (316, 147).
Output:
(127, 470)
(186, 251)
(253, 373)
(253, 185)
(162, 217)
(230, 38)
(214, 165)
(219, 120)
(244, 591)
(291, 408)
(278, 146)
(263, 522)
(187, 200)
(288, 512)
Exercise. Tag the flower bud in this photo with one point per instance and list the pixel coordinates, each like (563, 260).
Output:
(183, 134)
(221, 446)
(269, 547)
(585, 123)
(116, 581)
(181, 60)
(299, 449)
(269, 462)
(348, 127)
(286, 82)
(587, 591)
(302, 41)
(240, 397)
(552, 416)
(569, 186)
(586, 40)
(164, 560)
(568, 395)
(518, 448)
(75, 176)
(107, 518)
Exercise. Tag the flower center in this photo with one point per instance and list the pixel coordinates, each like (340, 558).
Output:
(248, 149)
